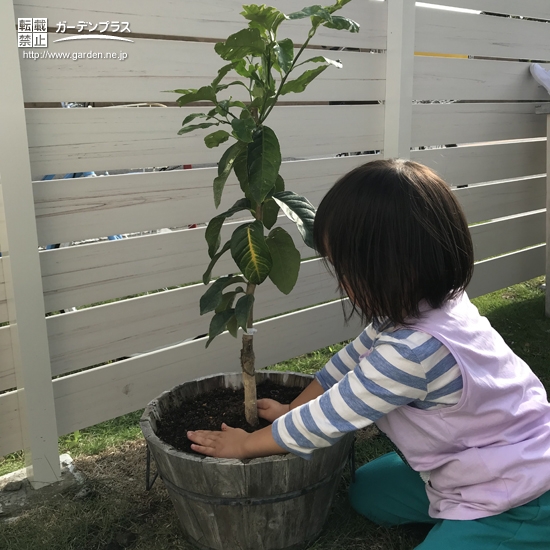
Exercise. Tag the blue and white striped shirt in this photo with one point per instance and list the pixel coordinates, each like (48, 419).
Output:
(381, 370)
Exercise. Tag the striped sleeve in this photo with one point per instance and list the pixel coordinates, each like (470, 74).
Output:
(346, 359)
(389, 377)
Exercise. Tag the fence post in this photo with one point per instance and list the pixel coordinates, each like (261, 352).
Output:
(399, 78)
(19, 247)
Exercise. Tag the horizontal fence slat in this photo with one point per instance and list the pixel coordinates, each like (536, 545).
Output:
(474, 80)
(82, 208)
(538, 9)
(508, 270)
(156, 65)
(485, 162)
(502, 236)
(99, 394)
(213, 19)
(88, 274)
(497, 200)
(7, 368)
(92, 336)
(11, 439)
(442, 124)
(75, 140)
(480, 35)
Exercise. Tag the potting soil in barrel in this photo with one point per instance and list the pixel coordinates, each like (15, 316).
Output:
(208, 411)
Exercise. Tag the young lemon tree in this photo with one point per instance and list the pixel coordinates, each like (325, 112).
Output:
(265, 64)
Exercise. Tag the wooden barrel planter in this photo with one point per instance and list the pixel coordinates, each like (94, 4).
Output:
(273, 503)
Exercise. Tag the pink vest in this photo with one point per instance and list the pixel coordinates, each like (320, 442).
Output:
(491, 451)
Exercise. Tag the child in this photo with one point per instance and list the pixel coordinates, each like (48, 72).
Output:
(470, 417)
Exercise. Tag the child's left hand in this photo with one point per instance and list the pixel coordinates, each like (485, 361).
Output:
(229, 443)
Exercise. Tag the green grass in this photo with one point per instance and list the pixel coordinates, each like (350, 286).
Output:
(112, 456)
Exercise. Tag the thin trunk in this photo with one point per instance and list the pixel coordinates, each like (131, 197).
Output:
(247, 365)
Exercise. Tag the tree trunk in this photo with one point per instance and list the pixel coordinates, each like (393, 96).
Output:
(249, 372)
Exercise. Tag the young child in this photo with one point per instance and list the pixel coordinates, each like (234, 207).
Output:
(470, 417)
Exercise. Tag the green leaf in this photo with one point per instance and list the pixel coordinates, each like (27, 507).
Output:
(241, 170)
(264, 18)
(243, 308)
(206, 93)
(322, 59)
(232, 326)
(187, 129)
(300, 84)
(239, 45)
(216, 138)
(250, 252)
(224, 169)
(284, 50)
(270, 210)
(243, 129)
(212, 233)
(189, 118)
(286, 260)
(300, 211)
(264, 161)
(227, 299)
(279, 184)
(207, 273)
(211, 299)
(222, 72)
(317, 11)
(338, 6)
(342, 24)
(218, 324)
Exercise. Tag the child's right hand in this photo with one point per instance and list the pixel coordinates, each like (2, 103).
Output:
(271, 409)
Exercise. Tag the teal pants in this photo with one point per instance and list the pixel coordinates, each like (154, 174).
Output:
(388, 492)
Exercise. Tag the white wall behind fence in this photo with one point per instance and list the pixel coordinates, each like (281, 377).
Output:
(486, 106)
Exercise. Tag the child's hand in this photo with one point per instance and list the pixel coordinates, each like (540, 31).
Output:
(229, 443)
(271, 409)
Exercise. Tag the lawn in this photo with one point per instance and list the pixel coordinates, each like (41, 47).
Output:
(116, 512)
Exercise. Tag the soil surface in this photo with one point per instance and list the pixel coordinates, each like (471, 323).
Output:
(208, 411)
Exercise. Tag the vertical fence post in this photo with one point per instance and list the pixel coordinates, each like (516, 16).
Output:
(19, 247)
(399, 78)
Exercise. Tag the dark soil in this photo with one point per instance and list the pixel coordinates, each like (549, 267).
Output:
(208, 411)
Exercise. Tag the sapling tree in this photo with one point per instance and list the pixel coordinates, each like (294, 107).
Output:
(265, 64)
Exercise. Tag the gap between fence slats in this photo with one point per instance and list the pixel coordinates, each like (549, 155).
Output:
(209, 19)
(528, 8)
(156, 65)
(474, 80)
(469, 34)
(73, 140)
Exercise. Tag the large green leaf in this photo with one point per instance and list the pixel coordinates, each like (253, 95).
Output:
(342, 24)
(228, 298)
(286, 260)
(241, 170)
(264, 18)
(216, 138)
(215, 258)
(232, 326)
(300, 211)
(300, 84)
(270, 211)
(212, 233)
(242, 310)
(224, 169)
(211, 299)
(310, 11)
(189, 118)
(239, 45)
(192, 127)
(223, 71)
(250, 252)
(284, 50)
(243, 128)
(206, 93)
(264, 161)
(218, 324)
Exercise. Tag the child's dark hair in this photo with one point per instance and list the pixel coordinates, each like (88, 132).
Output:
(395, 235)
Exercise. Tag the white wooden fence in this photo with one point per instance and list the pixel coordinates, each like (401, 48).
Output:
(500, 158)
